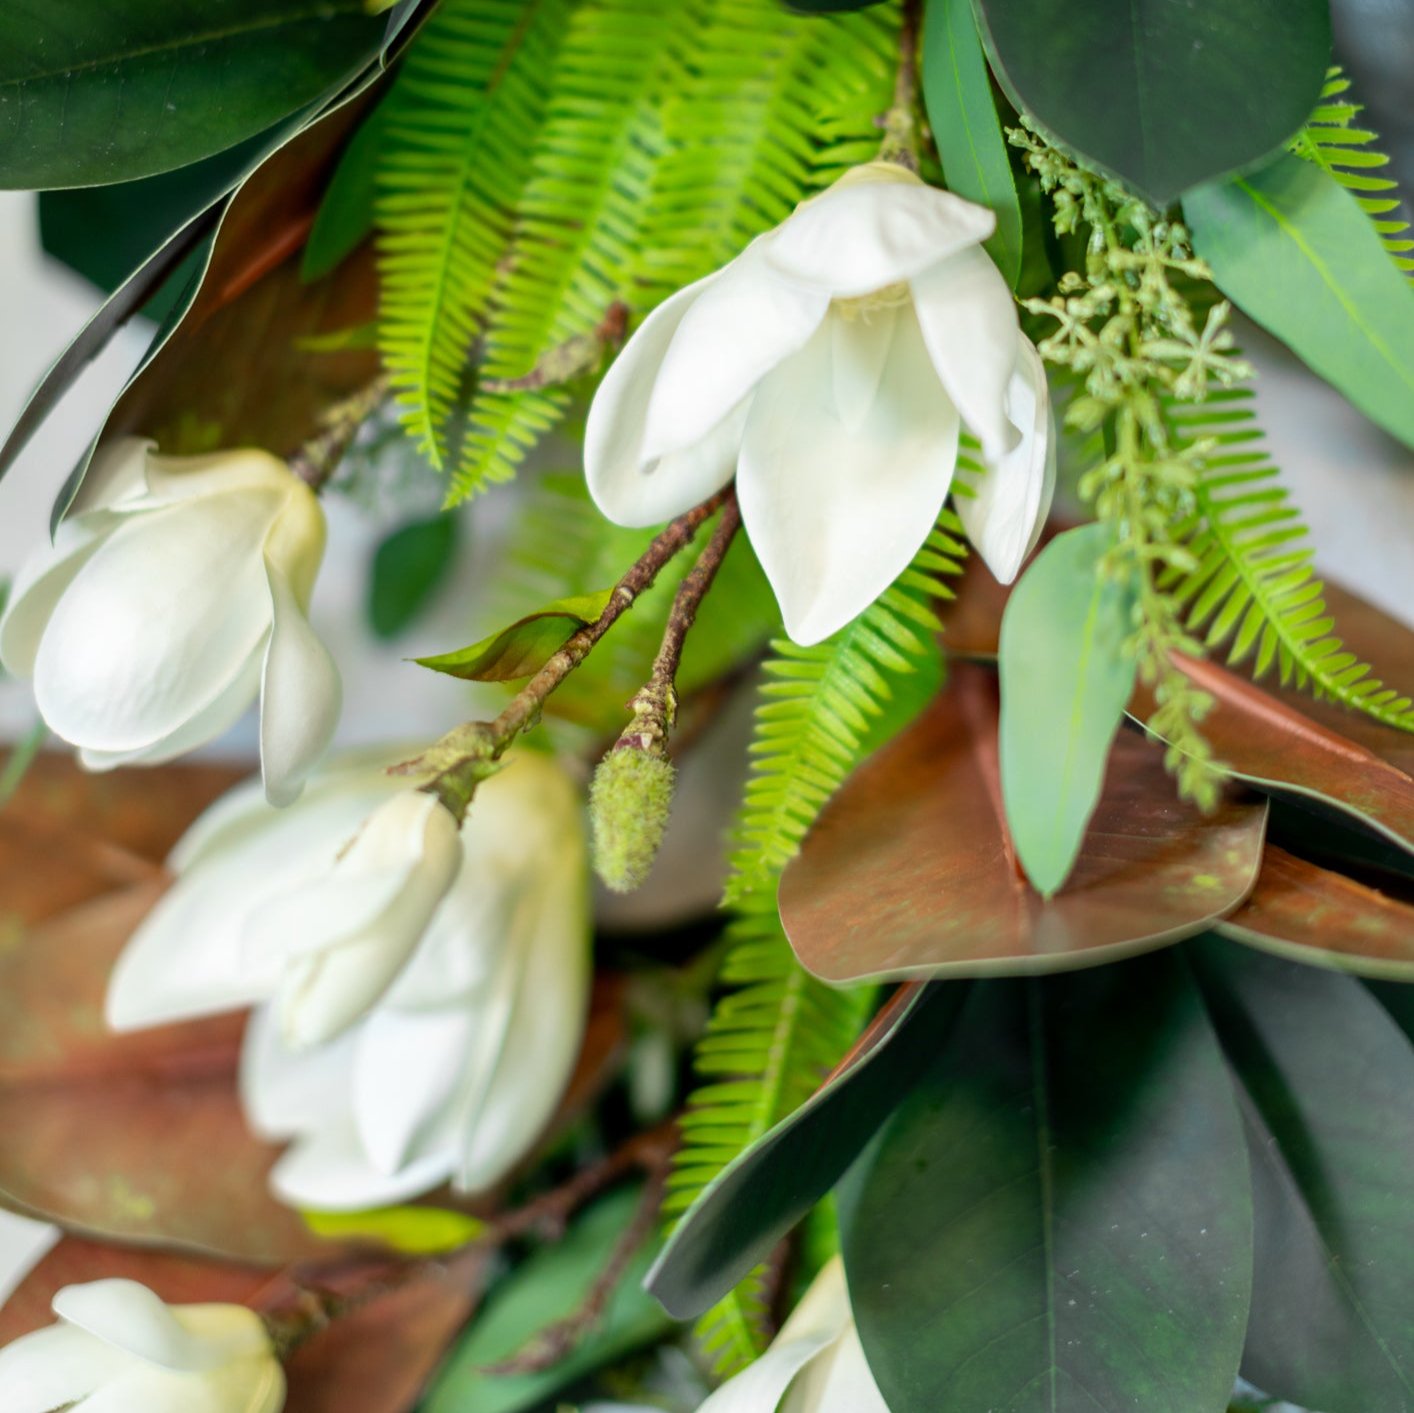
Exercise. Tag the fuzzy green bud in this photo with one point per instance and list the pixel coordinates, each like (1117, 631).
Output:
(629, 802)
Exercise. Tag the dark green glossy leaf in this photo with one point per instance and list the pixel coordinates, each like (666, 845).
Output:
(737, 1221)
(551, 1286)
(1163, 94)
(957, 91)
(408, 568)
(106, 93)
(1294, 251)
(1398, 999)
(1057, 1218)
(345, 216)
(1327, 1079)
(1065, 681)
(526, 645)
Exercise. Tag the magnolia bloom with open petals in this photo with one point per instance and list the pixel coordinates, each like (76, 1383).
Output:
(831, 367)
(815, 1365)
(174, 593)
(117, 1348)
(422, 994)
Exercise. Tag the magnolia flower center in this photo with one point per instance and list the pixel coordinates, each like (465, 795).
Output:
(861, 306)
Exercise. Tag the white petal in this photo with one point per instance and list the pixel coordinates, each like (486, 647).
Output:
(835, 515)
(329, 1171)
(407, 1068)
(740, 326)
(859, 348)
(625, 489)
(117, 476)
(300, 695)
(55, 1367)
(132, 1318)
(837, 1381)
(856, 239)
(1004, 519)
(285, 1093)
(248, 1386)
(157, 625)
(970, 325)
(187, 478)
(231, 1332)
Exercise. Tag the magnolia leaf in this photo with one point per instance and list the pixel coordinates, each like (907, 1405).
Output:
(408, 568)
(1057, 1216)
(91, 94)
(1294, 251)
(1326, 1076)
(1065, 681)
(1162, 94)
(345, 216)
(552, 1285)
(910, 871)
(760, 1195)
(526, 645)
(957, 92)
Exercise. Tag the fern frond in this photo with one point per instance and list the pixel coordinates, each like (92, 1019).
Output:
(1347, 153)
(771, 1041)
(1254, 587)
(462, 115)
(822, 706)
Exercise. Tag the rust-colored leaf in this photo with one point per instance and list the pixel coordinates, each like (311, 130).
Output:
(1309, 914)
(376, 1360)
(909, 872)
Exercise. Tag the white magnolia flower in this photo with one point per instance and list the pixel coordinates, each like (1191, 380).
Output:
(830, 367)
(815, 1365)
(455, 1044)
(118, 1349)
(173, 594)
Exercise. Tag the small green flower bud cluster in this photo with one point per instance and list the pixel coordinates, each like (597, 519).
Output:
(629, 803)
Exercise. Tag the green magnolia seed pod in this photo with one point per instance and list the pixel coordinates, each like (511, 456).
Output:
(629, 802)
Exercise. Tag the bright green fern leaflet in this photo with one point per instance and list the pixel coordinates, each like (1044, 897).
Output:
(771, 1041)
(1254, 587)
(1348, 154)
(450, 173)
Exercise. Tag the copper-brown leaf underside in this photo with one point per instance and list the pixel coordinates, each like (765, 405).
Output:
(1309, 914)
(909, 872)
(377, 1360)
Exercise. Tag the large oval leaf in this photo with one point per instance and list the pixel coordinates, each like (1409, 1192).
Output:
(1294, 251)
(1327, 1077)
(104, 93)
(1162, 93)
(1057, 1218)
(1065, 681)
(910, 871)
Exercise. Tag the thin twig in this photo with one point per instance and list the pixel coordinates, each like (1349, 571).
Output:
(900, 124)
(317, 459)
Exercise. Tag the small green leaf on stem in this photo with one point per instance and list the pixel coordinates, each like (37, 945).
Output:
(526, 645)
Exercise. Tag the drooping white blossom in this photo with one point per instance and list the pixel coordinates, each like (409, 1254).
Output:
(119, 1349)
(174, 594)
(815, 1365)
(830, 367)
(446, 1051)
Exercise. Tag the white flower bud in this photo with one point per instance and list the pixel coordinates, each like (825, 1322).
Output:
(118, 1345)
(174, 594)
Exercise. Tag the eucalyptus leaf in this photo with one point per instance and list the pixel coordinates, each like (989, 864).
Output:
(1294, 251)
(551, 1286)
(957, 92)
(106, 93)
(1057, 1218)
(1065, 682)
(1162, 94)
(1327, 1077)
(526, 645)
(408, 567)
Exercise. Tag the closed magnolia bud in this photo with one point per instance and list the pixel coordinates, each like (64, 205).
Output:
(629, 804)
(117, 1345)
(174, 594)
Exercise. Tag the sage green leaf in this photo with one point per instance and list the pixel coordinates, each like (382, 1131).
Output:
(1327, 1077)
(1065, 682)
(957, 92)
(551, 1286)
(1162, 94)
(1294, 251)
(408, 568)
(93, 93)
(526, 645)
(1057, 1218)
(759, 1196)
